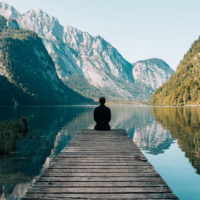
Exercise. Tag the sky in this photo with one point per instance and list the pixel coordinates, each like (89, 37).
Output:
(139, 29)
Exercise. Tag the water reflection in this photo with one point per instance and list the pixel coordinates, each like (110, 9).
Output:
(153, 138)
(51, 129)
(142, 128)
(184, 125)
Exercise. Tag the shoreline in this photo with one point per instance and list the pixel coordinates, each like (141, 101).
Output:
(97, 103)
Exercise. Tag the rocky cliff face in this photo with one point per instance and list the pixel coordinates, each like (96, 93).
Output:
(27, 72)
(152, 72)
(87, 64)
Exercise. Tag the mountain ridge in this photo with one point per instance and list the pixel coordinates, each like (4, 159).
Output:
(27, 72)
(92, 59)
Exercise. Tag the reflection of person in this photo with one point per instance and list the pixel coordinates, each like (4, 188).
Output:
(25, 123)
(102, 116)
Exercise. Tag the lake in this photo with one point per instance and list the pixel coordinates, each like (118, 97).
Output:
(168, 136)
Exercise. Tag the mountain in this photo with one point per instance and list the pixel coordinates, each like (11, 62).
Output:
(89, 65)
(152, 72)
(8, 24)
(183, 88)
(27, 72)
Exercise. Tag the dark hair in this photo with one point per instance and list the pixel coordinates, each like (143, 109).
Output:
(102, 100)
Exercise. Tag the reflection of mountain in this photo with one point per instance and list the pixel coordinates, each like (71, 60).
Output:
(128, 117)
(82, 121)
(153, 138)
(184, 125)
(140, 125)
(44, 125)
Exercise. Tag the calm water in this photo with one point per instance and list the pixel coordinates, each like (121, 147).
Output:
(169, 138)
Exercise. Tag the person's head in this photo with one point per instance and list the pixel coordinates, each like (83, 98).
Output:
(102, 100)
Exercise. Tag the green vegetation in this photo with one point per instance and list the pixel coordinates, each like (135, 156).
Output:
(9, 93)
(82, 86)
(183, 124)
(183, 88)
(28, 75)
(17, 34)
(20, 64)
(10, 133)
(3, 22)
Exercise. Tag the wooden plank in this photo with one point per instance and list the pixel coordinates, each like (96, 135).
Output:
(93, 190)
(86, 155)
(96, 160)
(100, 165)
(98, 146)
(103, 179)
(116, 152)
(93, 144)
(128, 167)
(64, 198)
(102, 196)
(138, 164)
(100, 174)
(98, 156)
(99, 184)
(86, 170)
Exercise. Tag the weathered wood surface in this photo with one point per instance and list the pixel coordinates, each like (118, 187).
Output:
(100, 165)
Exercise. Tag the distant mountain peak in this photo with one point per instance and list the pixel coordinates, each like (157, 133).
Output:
(8, 11)
(156, 61)
(37, 12)
(153, 72)
(159, 62)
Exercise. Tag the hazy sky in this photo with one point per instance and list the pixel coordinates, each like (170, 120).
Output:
(139, 29)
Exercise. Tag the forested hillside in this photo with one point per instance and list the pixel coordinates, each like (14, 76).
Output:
(27, 72)
(183, 88)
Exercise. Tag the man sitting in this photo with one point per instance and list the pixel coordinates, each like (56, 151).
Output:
(102, 116)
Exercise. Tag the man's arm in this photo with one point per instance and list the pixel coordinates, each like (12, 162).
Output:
(109, 115)
(95, 115)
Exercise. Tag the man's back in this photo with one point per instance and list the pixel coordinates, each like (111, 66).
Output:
(102, 116)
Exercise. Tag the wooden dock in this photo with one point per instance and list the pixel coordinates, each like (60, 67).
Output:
(100, 165)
